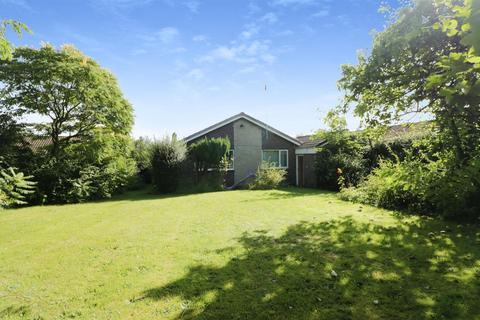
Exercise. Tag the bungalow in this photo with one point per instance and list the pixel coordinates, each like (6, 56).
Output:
(253, 141)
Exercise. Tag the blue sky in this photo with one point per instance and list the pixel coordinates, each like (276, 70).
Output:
(185, 64)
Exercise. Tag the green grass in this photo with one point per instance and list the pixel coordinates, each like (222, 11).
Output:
(235, 255)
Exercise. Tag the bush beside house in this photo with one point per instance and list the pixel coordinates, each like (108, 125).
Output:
(167, 156)
(268, 177)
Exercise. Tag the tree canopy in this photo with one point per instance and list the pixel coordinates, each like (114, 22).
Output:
(426, 61)
(68, 89)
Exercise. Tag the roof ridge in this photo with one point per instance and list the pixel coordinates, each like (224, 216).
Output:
(247, 117)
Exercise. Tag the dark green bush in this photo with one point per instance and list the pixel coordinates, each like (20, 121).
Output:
(143, 157)
(341, 157)
(167, 157)
(209, 155)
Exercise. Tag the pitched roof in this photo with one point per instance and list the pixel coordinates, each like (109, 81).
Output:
(37, 143)
(245, 116)
(310, 141)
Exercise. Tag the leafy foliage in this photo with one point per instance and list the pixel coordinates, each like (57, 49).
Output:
(13, 145)
(268, 176)
(346, 157)
(425, 62)
(167, 157)
(143, 157)
(6, 48)
(14, 187)
(419, 184)
(209, 154)
(416, 67)
(67, 87)
(340, 157)
(94, 168)
(89, 152)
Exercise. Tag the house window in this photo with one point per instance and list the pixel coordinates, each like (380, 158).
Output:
(231, 159)
(277, 158)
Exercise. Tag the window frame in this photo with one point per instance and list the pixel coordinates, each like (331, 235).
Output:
(279, 157)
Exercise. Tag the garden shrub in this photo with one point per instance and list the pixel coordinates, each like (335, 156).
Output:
(142, 154)
(421, 185)
(268, 177)
(348, 157)
(457, 193)
(89, 169)
(343, 153)
(167, 157)
(209, 158)
(396, 185)
(15, 187)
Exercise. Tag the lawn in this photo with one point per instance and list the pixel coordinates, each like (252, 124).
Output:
(290, 254)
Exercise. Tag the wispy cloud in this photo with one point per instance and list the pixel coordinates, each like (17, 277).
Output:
(192, 5)
(254, 52)
(321, 14)
(200, 38)
(196, 74)
(269, 17)
(120, 4)
(250, 31)
(19, 3)
(165, 35)
(253, 8)
(286, 3)
(284, 33)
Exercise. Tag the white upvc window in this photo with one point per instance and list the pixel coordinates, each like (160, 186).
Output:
(277, 158)
(231, 159)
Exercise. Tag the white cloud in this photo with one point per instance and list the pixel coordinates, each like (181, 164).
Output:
(138, 52)
(178, 50)
(249, 69)
(20, 3)
(249, 31)
(285, 33)
(253, 8)
(344, 19)
(320, 14)
(119, 4)
(246, 53)
(200, 38)
(269, 17)
(269, 58)
(220, 53)
(192, 5)
(286, 3)
(165, 35)
(196, 74)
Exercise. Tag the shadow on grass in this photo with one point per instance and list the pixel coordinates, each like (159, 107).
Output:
(149, 193)
(14, 311)
(412, 271)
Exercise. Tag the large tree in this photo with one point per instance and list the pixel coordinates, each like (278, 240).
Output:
(68, 89)
(426, 61)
